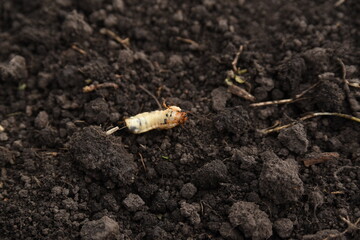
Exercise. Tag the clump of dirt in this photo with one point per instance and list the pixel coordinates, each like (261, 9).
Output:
(283, 227)
(103, 155)
(210, 175)
(104, 228)
(295, 139)
(279, 179)
(70, 70)
(233, 121)
(15, 70)
(251, 220)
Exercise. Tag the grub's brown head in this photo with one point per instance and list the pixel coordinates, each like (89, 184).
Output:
(182, 117)
(179, 116)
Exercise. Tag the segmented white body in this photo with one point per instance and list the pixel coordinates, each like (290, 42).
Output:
(160, 119)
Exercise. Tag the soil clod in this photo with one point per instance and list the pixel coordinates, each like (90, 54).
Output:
(133, 202)
(102, 229)
(253, 222)
(279, 179)
(242, 70)
(99, 153)
(295, 138)
(283, 227)
(210, 175)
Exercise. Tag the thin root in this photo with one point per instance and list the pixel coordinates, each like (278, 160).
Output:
(351, 228)
(76, 48)
(152, 95)
(297, 97)
(235, 75)
(343, 77)
(311, 115)
(339, 2)
(142, 162)
(238, 91)
(189, 41)
(337, 192)
(354, 105)
(124, 42)
(343, 168)
(320, 158)
(343, 69)
(236, 59)
(95, 86)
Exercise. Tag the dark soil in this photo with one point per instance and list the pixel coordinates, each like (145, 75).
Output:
(216, 177)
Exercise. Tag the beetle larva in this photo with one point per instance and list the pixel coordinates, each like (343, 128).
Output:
(160, 119)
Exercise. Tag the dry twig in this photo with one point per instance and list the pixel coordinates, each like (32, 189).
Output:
(124, 42)
(351, 228)
(343, 76)
(236, 59)
(189, 41)
(76, 48)
(311, 115)
(283, 101)
(95, 86)
(234, 74)
(354, 104)
(238, 91)
(337, 192)
(343, 168)
(339, 2)
(320, 158)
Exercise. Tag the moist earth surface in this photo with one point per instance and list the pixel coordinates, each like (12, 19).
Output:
(71, 70)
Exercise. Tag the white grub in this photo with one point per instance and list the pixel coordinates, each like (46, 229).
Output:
(171, 117)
